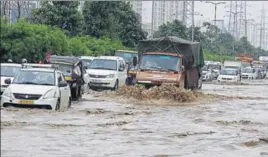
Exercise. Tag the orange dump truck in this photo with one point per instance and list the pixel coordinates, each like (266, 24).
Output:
(168, 60)
(244, 57)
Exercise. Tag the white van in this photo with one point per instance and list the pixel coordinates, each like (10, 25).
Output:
(107, 72)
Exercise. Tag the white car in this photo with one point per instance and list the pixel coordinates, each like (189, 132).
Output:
(8, 71)
(107, 72)
(37, 87)
(229, 75)
(206, 74)
(249, 73)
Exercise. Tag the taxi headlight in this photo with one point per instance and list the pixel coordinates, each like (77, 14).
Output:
(110, 76)
(7, 93)
(50, 94)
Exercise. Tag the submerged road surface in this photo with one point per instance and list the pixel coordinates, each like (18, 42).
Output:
(98, 128)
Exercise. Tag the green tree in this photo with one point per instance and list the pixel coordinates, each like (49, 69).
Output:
(175, 28)
(198, 35)
(23, 40)
(114, 19)
(63, 14)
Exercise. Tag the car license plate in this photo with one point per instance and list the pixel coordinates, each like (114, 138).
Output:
(26, 102)
(68, 78)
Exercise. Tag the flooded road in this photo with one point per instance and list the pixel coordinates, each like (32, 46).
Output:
(98, 128)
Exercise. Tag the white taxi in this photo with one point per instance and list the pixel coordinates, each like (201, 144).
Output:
(8, 71)
(107, 72)
(37, 87)
(229, 75)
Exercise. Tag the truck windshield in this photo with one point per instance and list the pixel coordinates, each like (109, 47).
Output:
(160, 62)
(228, 72)
(106, 64)
(127, 56)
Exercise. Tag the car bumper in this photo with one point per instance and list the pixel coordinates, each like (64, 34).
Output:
(227, 81)
(102, 82)
(10, 101)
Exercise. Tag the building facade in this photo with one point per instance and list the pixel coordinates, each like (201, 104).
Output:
(166, 11)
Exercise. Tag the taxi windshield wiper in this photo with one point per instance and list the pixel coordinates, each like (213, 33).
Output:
(28, 83)
(46, 84)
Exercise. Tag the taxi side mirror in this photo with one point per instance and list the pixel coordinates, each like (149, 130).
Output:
(8, 81)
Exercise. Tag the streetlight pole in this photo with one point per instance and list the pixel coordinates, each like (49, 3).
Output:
(215, 4)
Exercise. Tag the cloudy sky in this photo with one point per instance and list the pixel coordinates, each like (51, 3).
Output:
(207, 9)
(253, 9)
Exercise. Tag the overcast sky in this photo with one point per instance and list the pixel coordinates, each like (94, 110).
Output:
(253, 10)
(207, 10)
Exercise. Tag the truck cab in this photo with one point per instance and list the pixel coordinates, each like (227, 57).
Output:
(156, 68)
(168, 60)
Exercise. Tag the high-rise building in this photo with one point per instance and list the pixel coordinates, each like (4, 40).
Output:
(137, 7)
(81, 5)
(156, 13)
(166, 11)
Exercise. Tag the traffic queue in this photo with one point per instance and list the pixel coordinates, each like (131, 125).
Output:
(58, 82)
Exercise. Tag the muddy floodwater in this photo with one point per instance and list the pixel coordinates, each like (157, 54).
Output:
(99, 128)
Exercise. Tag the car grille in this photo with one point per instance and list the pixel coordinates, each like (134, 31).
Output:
(97, 76)
(27, 96)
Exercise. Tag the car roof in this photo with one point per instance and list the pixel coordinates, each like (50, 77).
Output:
(110, 57)
(11, 64)
(87, 57)
(39, 69)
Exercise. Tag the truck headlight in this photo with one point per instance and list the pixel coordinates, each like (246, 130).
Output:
(7, 93)
(110, 76)
(50, 94)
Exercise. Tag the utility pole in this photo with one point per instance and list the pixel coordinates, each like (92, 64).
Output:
(253, 34)
(187, 10)
(152, 23)
(193, 25)
(246, 25)
(215, 13)
(262, 28)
